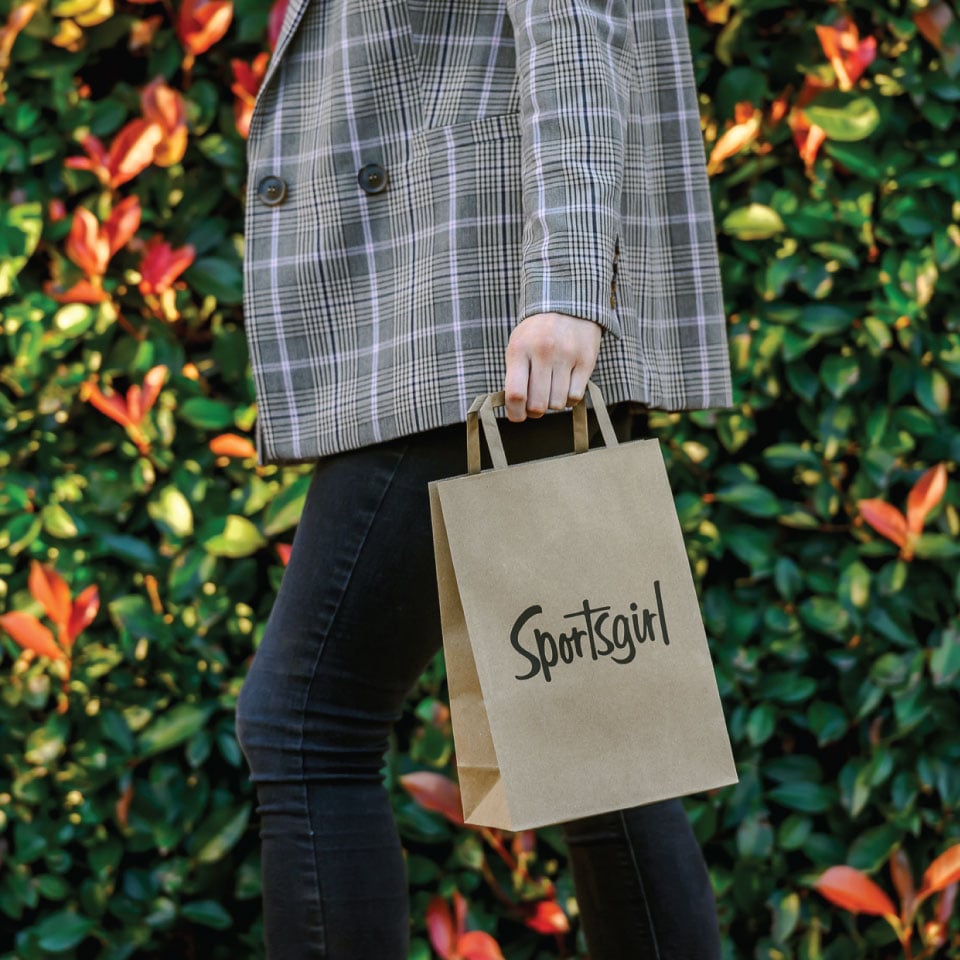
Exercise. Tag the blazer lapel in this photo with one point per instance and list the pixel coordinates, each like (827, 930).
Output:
(291, 20)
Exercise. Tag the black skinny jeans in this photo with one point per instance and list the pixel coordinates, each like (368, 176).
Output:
(355, 622)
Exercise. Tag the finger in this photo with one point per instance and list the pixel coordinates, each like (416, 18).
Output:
(559, 387)
(578, 384)
(538, 387)
(515, 385)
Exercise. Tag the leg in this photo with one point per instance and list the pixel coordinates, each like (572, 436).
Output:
(354, 623)
(642, 886)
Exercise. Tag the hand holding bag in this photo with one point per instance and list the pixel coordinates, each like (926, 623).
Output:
(579, 674)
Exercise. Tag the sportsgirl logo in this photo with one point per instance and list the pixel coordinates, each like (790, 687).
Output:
(599, 633)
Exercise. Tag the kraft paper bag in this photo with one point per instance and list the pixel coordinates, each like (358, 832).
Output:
(579, 674)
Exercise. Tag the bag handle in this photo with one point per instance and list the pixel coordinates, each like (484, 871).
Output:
(482, 408)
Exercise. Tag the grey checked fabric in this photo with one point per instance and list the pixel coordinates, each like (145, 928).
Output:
(542, 155)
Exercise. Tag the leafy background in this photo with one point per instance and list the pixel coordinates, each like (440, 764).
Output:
(141, 545)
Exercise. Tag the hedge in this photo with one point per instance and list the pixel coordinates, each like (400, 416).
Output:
(142, 546)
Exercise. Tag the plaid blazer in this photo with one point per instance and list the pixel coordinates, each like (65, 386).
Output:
(424, 174)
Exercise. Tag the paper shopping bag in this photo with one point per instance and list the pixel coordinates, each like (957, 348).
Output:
(578, 669)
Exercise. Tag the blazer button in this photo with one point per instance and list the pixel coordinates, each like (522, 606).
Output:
(373, 178)
(272, 190)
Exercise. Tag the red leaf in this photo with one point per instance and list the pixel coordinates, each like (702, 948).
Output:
(546, 916)
(50, 590)
(162, 264)
(945, 903)
(902, 877)
(478, 945)
(854, 891)
(82, 612)
(277, 13)
(435, 792)
(440, 927)
(942, 872)
(885, 519)
(926, 493)
(31, 634)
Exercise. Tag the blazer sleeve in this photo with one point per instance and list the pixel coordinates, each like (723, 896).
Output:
(574, 107)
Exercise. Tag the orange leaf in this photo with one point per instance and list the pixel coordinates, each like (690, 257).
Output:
(132, 150)
(885, 519)
(848, 55)
(283, 551)
(734, 140)
(232, 445)
(942, 872)
(50, 590)
(854, 891)
(134, 404)
(435, 792)
(163, 105)
(82, 611)
(31, 634)
(17, 19)
(925, 494)
(122, 223)
(440, 927)
(83, 291)
(478, 945)
(152, 384)
(112, 405)
(202, 23)
(86, 246)
(547, 917)
(122, 806)
(933, 21)
(902, 877)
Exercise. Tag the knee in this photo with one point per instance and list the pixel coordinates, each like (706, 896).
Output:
(321, 727)
(250, 718)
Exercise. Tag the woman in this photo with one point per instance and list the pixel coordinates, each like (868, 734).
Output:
(448, 198)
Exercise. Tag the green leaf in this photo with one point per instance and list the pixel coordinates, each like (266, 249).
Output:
(872, 849)
(207, 912)
(889, 670)
(220, 833)
(753, 222)
(840, 373)
(827, 721)
(843, 116)
(20, 229)
(217, 278)
(173, 727)
(805, 797)
(750, 498)
(825, 615)
(170, 510)
(285, 509)
(945, 658)
(62, 930)
(74, 319)
(231, 536)
(206, 414)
